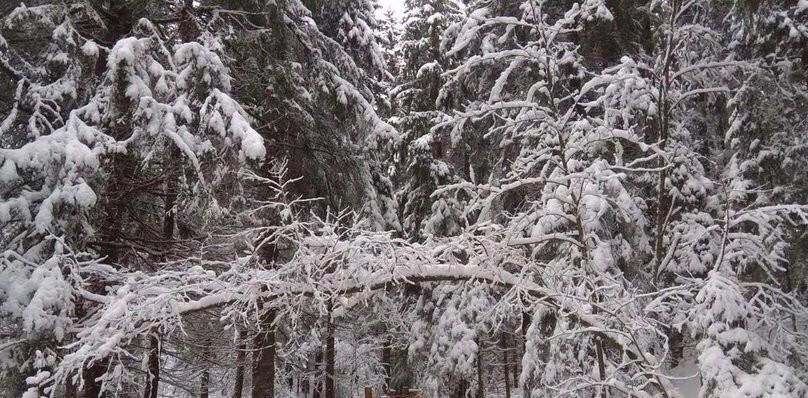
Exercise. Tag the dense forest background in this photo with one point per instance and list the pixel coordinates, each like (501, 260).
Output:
(501, 198)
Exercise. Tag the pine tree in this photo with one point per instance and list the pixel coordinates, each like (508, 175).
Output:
(542, 198)
(422, 163)
(595, 142)
(100, 128)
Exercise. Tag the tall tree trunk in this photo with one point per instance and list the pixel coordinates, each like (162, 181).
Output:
(152, 367)
(294, 381)
(601, 358)
(204, 383)
(462, 388)
(677, 348)
(169, 219)
(516, 363)
(330, 390)
(70, 390)
(263, 369)
(601, 365)
(92, 387)
(526, 319)
(387, 364)
(506, 367)
(480, 384)
(663, 199)
(305, 386)
(317, 380)
(204, 380)
(169, 222)
(238, 386)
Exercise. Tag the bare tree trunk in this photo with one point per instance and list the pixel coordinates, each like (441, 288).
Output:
(169, 220)
(526, 319)
(506, 365)
(462, 388)
(480, 384)
(238, 386)
(70, 390)
(263, 369)
(601, 365)
(677, 349)
(153, 367)
(516, 363)
(387, 363)
(601, 357)
(330, 390)
(204, 382)
(204, 379)
(663, 206)
(92, 387)
(316, 382)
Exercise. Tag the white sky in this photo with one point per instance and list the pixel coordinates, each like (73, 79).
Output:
(396, 5)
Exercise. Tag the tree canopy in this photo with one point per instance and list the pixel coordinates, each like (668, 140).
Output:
(305, 198)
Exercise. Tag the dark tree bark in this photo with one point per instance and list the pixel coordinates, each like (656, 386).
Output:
(169, 223)
(526, 319)
(263, 369)
(204, 379)
(480, 384)
(516, 363)
(601, 365)
(204, 384)
(317, 384)
(153, 371)
(330, 390)
(387, 363)
(677, 349)
(506, 367)
(238, 386)
(601, 358)
(462, 388)
(70, 390)
(92, 387)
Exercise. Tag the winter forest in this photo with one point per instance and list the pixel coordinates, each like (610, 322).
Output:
(466, 199)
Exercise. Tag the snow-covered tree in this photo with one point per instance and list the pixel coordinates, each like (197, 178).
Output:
(294, 198)
(109, 150)
(421, 164)
(602, 178)
(389, 34)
